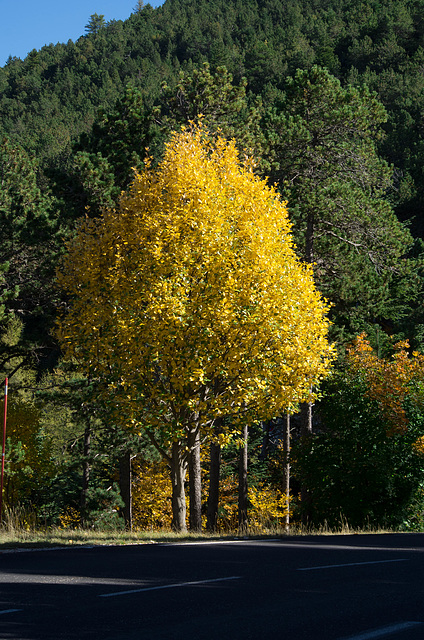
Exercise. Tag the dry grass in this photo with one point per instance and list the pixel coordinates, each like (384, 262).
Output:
(19, 530)
(55, 537)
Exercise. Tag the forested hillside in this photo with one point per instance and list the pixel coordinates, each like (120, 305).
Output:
(49, 98)
(53, 95)
(328, 97)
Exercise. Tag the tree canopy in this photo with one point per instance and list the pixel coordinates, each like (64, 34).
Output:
(189, 299)
(320, 147)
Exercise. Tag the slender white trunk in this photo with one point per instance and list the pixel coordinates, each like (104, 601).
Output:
(243, 486)
(178, 475)
(195, 477)
(286, 449)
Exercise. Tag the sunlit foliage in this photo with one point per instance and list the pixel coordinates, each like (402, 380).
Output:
(390, 381)
(189, 300)
(151, 496)
(364, 464)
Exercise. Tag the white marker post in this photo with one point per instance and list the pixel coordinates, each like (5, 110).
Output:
(4, 446)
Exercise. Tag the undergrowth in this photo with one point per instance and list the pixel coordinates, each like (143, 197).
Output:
(16, 538)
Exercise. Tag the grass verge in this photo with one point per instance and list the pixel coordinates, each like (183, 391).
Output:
(56, 537)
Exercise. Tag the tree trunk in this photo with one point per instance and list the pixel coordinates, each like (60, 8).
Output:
(309, 238)
(266, 427)
(213, 498)
(242, 493)
(178, 474)
(125, 488)
(306, 413)
(286, 488)
(85, 472)
(195, 485)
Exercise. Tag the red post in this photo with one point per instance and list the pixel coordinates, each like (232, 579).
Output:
(4, 446)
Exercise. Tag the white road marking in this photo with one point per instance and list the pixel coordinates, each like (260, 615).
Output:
(351, 564)
(167, 586)
(238, 541)
(66, 579)
(384, 631)
(9, 611)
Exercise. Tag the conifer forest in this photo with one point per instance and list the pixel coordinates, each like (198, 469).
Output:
(212, 269)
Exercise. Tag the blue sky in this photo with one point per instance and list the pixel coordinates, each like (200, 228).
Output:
(30, 24)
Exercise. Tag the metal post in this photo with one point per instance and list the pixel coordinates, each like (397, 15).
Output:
(4, 446)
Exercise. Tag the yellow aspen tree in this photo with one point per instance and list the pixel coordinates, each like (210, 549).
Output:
(190, 303)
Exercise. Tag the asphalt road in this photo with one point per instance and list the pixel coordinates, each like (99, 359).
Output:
(307, 588)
